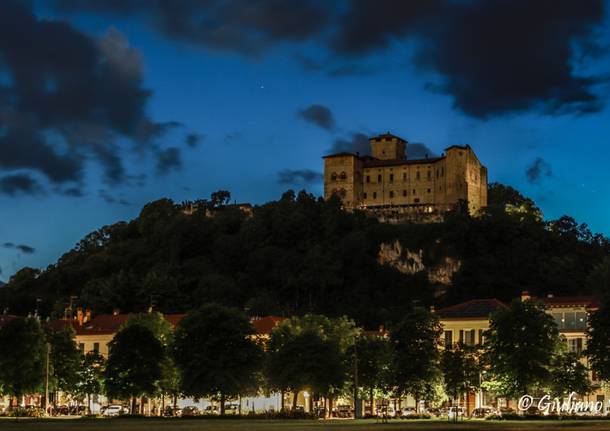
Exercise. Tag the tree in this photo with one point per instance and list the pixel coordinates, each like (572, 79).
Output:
(169, 383)
(215, 353)
(568, 374)
(134, 363)
(312, 352)
(598, 343)
(375, 358)
(521, 342)
(461, 371)
(22, 356)
(90, 377)
(66, 360)
(416, 341)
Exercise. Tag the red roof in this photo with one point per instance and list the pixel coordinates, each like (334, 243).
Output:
(264, 325)
(5, 318)
(476, 308)
(570, 301)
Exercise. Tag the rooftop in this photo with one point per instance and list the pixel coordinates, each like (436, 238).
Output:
(476, 308)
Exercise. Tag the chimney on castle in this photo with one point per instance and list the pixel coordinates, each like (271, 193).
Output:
(525, 296)
(87, 315)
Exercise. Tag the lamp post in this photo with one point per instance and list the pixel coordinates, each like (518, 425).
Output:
(46, 384)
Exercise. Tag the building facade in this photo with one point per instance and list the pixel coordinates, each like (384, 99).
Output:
(390, 179)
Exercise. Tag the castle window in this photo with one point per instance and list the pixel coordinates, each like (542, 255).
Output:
(414, 192)
(364, 195)
(404, 176)
(442, 171)
(374, 195)
(333, 176)
(343, 175)
(378, 178)
(429, 190)
(417, 176)
(437, 173)
(391, 178)
(416, 200)
(391, 194)
(404, 193)
(368, 178)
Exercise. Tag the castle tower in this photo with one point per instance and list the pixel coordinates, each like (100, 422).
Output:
(388, 147)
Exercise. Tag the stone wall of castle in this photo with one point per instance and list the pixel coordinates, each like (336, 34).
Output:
(420, 186)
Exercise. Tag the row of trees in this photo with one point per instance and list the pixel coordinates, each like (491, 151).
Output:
(215, 353)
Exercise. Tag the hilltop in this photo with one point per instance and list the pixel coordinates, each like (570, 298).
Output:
(303, 254)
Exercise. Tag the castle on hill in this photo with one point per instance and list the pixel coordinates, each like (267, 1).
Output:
(397, 187)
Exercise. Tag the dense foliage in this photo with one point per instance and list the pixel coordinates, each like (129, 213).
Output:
(302, 255)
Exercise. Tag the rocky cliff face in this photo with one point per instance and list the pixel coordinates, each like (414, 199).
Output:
(411, 262)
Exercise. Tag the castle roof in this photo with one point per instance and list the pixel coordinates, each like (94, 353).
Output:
(341, 154)
(386, 136)
(474, 309)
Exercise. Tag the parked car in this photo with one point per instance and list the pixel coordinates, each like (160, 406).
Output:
(483, 412)
(211, 410)
(190, 411)
(433, 411)
(407, 411)
(231, 409)
(455, 412)
(112, 410)
(171, 411)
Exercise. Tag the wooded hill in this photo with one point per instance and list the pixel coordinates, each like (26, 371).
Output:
(302, 254)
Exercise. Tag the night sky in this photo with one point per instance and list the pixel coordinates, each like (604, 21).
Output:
(106, 105)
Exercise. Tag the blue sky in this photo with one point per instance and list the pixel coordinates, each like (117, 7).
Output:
(246, 108)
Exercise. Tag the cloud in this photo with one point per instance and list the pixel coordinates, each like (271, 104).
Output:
(355, 143)
(168, 159)
(111, 199)
(318, 115)
(245, 26)
(19, 184)
(21, 247)
(537, 170)
(493, 57)
(299, 176)
(417, 150)
(70, 98)
(194, 139)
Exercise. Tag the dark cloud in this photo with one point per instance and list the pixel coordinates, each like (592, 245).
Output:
(318, 115)
(417, 150)
(245, 26)
(493, 57)
(299, 176)
(19, 184)
(111, 199)
(74, 192)
(359, 143)
(194, 139)
(356, 143)
(168, 159)
(537, 170)
(21, 247)
(69, 98)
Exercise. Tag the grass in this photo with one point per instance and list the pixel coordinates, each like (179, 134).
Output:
(153, 424)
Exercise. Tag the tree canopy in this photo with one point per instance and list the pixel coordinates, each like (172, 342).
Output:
(216, 354)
